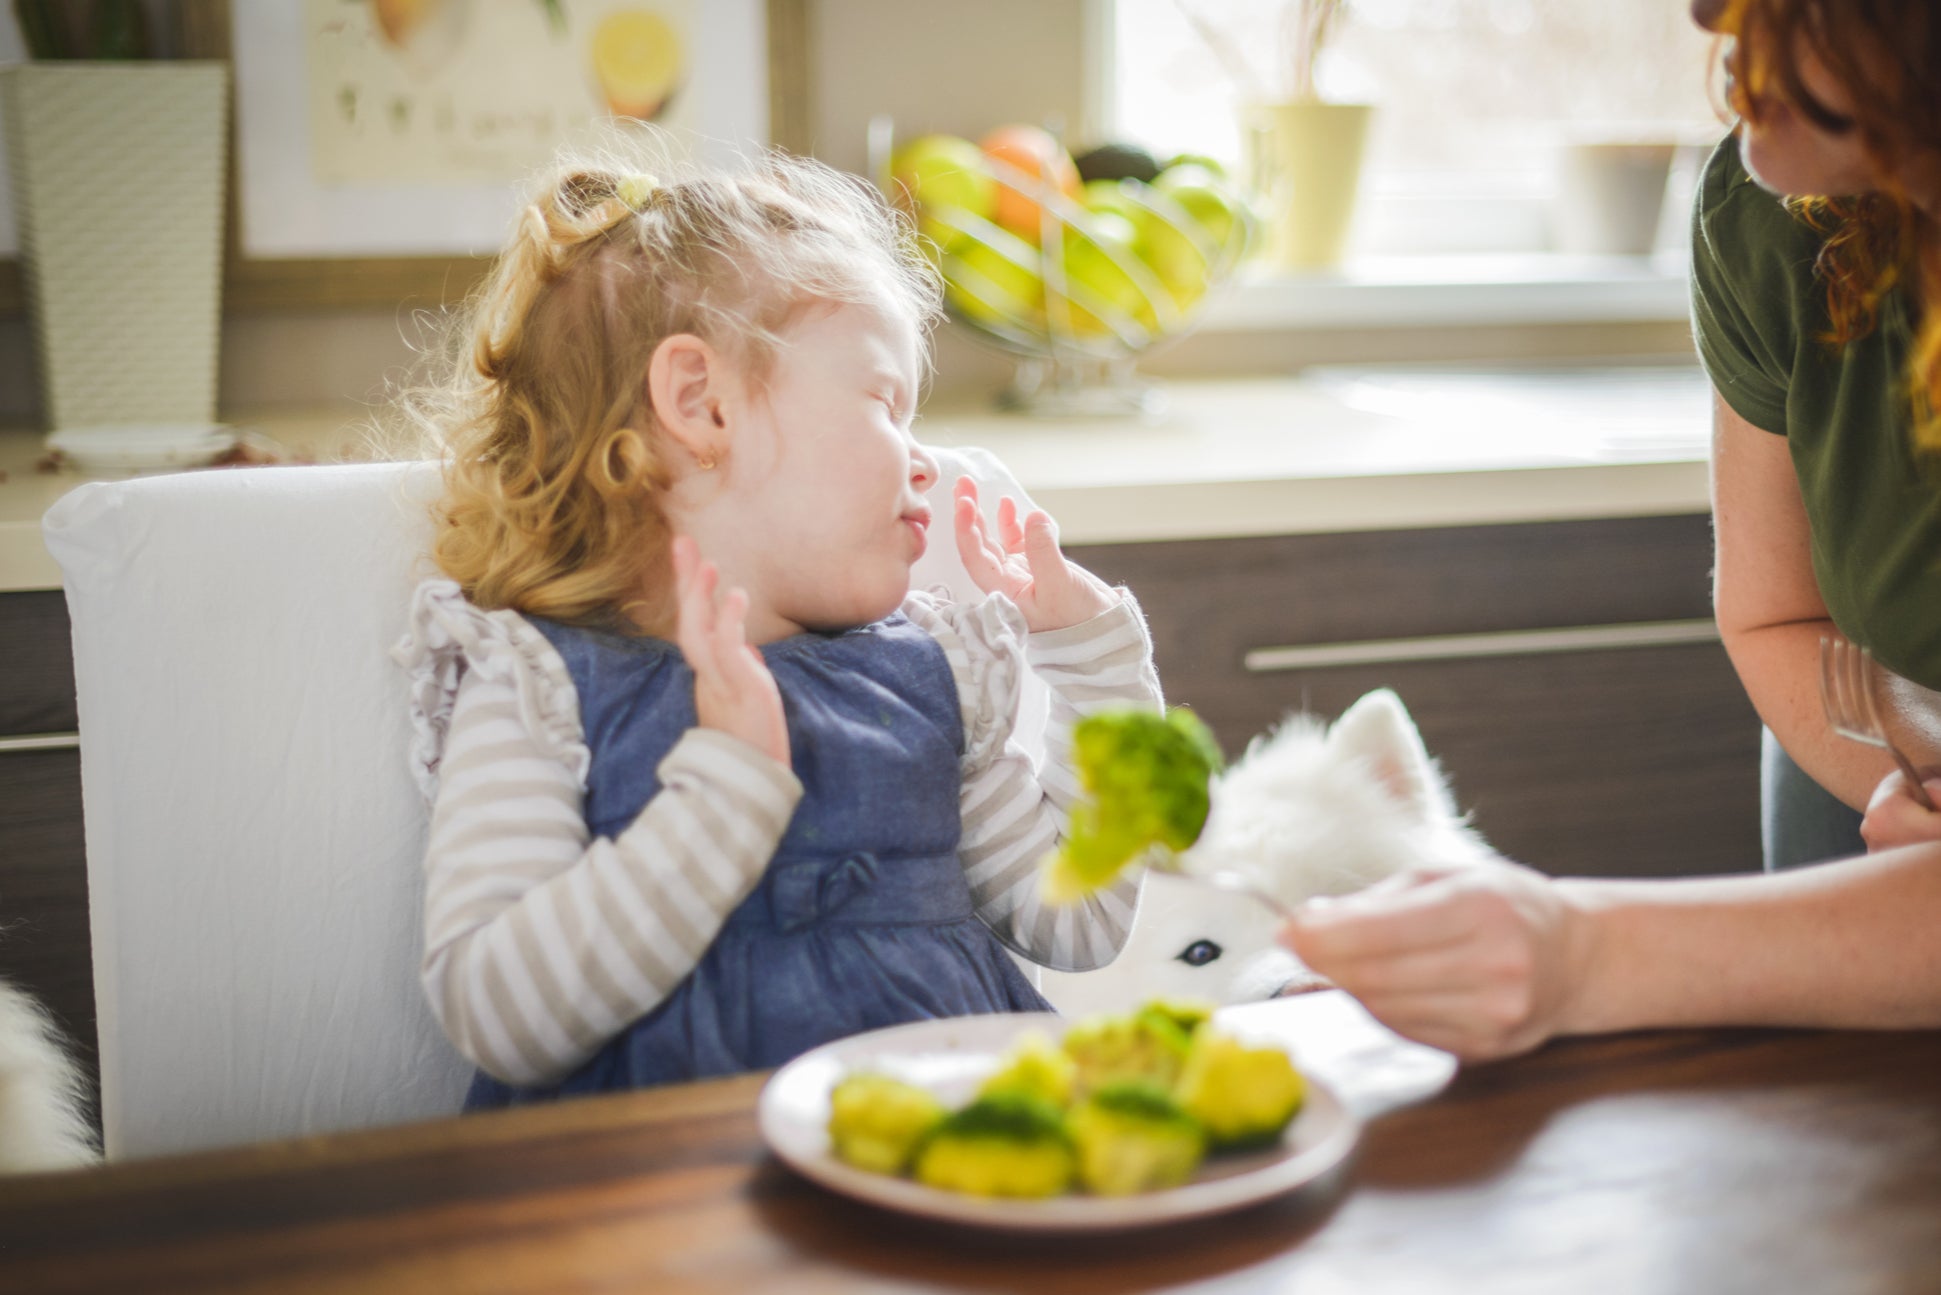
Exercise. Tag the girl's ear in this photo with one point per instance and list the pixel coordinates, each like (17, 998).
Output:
(687, 387)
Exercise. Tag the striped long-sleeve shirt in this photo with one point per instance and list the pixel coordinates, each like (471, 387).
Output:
(542, 943)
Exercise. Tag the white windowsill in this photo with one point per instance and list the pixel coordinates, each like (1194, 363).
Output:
(1439, 291)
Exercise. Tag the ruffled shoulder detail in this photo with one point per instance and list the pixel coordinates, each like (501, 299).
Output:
(985, 644)
(448, 636)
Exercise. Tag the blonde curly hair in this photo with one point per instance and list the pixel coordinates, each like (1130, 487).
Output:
(554, 465)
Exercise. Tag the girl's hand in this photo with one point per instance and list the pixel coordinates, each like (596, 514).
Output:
(733, 690)
(1028, 566)
(1482, 961)
(1894, 817)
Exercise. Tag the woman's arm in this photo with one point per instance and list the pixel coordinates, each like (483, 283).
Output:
(1770, 613)
(1490, 961)
(1769, 606)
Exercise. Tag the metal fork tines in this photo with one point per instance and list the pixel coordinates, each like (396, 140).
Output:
(1849, 693)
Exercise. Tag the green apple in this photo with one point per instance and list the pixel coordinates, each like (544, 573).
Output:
(1206, 198)
(1098, 282)
(992, 276)
(1109, 196)
(1174, 254)
(939, 175)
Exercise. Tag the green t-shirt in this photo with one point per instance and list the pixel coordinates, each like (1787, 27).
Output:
(1758, 310)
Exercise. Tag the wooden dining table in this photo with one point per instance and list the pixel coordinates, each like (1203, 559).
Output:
(1709, 1161)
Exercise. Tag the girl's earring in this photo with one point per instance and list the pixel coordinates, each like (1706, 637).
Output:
(706, 462)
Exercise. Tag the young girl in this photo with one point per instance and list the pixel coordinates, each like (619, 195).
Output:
(681, 832)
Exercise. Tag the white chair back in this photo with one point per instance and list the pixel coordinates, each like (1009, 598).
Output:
(254, 836)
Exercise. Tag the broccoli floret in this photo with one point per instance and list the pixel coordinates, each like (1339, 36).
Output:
(1112, 1049)
(1242, 1096)
(1034, 1067)
(1187, 1014)
(1145, 778)
(1132, 1137)
(1008, 1145)
(876, 1123)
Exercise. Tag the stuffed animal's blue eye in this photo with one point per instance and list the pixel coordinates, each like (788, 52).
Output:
(1199, 953)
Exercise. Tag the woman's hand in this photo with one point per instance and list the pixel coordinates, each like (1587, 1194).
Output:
(1894, 817)
(733, 690)
(1027, 567)
(1480, 960)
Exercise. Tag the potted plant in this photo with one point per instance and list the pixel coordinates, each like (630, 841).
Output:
(117, 169)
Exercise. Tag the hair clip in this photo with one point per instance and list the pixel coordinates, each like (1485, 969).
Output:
(635, 190)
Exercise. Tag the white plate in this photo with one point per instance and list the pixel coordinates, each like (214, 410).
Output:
(141, 447)
(949, 1057)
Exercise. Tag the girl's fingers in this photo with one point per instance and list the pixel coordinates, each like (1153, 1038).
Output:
(1038, 537)
(1008, 529)
(730, 640)
(694, 623)
(981, 560)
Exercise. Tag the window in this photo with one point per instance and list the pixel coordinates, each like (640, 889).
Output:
(1477, 105)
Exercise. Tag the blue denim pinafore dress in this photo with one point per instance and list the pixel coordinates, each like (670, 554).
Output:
(863, 918)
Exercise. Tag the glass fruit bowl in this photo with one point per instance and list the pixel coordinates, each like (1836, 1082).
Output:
(1075, 279)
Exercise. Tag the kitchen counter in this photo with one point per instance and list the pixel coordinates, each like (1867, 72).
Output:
(1333, 450)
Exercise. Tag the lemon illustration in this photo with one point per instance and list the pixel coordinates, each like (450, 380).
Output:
(637, 59)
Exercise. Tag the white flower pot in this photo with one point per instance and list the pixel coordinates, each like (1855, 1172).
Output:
(118, 173)
(1310, 160)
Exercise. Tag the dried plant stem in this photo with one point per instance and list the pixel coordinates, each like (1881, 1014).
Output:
(1309, 24)
(1226, 50)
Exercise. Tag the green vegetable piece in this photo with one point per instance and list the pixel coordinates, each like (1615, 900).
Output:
(1143, 1047)
(1132, 1137)
(877, 1123)
(1185, 1014)
(1008, 1145)
(1146, 779)
(1035, 1067)
(1243, 1097)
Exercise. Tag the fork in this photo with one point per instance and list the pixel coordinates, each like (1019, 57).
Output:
(1849, 697)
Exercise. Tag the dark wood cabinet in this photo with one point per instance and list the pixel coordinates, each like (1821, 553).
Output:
(43, 867)
(1597, 760)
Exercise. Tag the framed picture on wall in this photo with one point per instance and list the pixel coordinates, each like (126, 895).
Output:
(369, 230)
(405, 128)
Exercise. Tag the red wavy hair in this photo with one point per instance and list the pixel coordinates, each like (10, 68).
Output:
(1887, 56)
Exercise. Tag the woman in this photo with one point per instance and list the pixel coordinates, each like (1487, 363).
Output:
(1807, 318)
(1810, 322)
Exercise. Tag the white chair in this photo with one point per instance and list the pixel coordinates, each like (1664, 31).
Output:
(254, 835)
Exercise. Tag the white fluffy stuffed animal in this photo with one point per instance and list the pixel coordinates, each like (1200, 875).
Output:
(41, 1126)
(1310, 809)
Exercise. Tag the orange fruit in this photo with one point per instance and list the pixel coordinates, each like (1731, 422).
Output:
(1037, 154)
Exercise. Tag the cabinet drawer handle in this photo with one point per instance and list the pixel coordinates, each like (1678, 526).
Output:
(1500, 643)
(40, 742)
